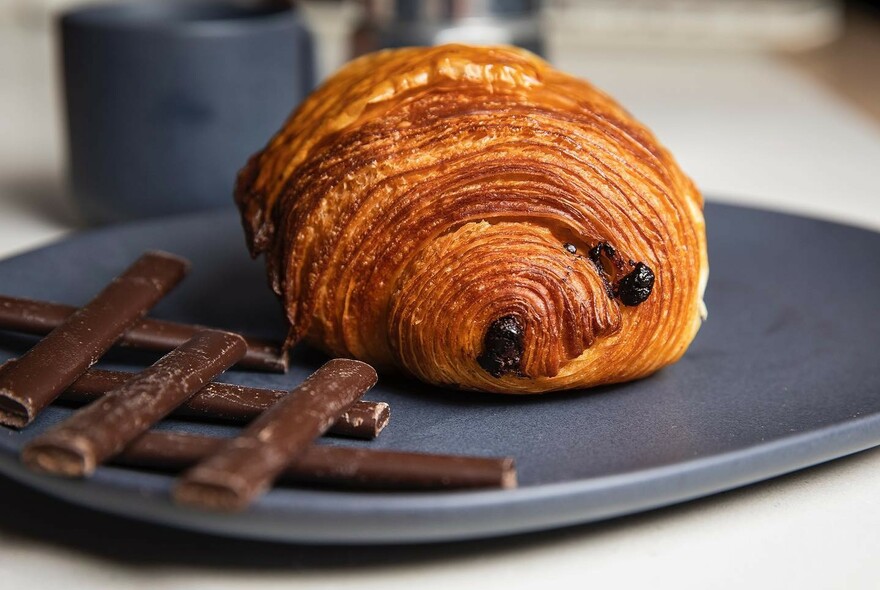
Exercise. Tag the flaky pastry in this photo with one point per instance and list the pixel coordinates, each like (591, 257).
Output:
(475, 218)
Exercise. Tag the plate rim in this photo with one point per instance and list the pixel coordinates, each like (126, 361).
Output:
(429, 517)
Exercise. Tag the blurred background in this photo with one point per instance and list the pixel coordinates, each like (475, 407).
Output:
(767, 102)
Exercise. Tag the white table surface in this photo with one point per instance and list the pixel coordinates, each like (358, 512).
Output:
(748, 130)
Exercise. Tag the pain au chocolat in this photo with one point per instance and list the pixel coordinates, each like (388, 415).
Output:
(475, 218)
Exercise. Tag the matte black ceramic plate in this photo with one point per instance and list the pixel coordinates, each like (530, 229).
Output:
(784, 375)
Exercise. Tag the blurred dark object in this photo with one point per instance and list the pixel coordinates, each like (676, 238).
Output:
(403, 23)
(166, 100)
(848, 67)
(872, 4)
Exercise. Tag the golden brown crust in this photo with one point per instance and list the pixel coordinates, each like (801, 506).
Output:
(421, 195)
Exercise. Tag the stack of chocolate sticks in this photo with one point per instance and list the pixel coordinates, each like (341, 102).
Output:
(280, 429)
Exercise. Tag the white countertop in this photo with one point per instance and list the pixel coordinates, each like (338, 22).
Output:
(748, 130)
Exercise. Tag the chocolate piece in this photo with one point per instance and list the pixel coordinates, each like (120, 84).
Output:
(233, 403)
(338, 466)
(604, 250)
(31, 382)
(502, 347)
(245, 467)
(636, 287)
(97, 432)
(41, 317)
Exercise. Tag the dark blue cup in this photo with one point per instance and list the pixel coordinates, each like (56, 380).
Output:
(166, 100)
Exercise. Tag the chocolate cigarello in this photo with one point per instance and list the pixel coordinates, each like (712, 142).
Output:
(102, 429)
(31, 382)
(245, 466)
(337, 466)
(41, 317)
(233, 403)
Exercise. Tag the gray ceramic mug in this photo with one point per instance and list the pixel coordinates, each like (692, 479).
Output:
(166, 100)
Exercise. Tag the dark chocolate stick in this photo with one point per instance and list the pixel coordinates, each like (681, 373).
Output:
(41, 317)
(30, 383)
(102, 429)
(245, 466)
(233, 403)
(337, 466)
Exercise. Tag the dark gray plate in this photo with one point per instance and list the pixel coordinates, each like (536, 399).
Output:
(784, 375)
